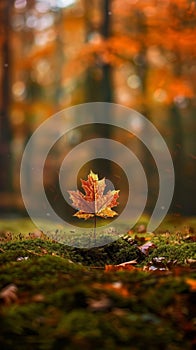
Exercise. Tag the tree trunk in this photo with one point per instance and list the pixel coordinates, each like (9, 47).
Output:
(99, 82)
(5, 128)
(178, 159)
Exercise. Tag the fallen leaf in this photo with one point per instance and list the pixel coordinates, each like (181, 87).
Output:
(117, 287)
(191, 262)
(145, 248)
(192, 284)
(160, 263)
(123, 267)
(131, 262)
(8, 294)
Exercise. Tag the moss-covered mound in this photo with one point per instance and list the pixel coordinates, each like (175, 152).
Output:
(113, 253)
(62, 305)
(61, 297)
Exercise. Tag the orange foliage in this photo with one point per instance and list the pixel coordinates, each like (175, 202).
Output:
(136, 27)
(34, 55)
(192, 284)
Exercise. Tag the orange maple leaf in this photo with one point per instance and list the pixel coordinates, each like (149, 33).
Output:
(94, 202)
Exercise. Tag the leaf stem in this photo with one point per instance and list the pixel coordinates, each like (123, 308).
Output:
(95, 226)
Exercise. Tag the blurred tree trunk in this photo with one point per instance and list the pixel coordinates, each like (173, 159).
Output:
(105, 31)
(99, 85)
(5, 128)
(178, 157)
(99, 76)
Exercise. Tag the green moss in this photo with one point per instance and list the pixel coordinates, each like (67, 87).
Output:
(174, 252)
(135, 310)
(113, 253)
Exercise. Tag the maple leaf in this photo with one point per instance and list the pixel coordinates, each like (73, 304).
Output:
(94, 202)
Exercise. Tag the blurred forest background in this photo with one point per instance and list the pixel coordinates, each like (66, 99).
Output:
(137, 53)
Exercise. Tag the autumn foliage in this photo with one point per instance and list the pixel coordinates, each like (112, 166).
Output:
(94, 202)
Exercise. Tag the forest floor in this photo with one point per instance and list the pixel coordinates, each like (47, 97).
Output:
(134, 293)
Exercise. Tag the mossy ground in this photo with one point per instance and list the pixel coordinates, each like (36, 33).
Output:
(67, 300)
